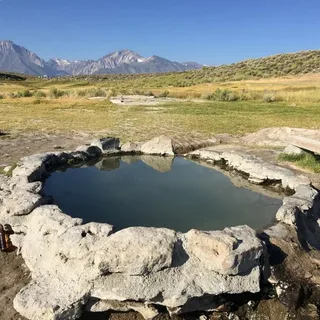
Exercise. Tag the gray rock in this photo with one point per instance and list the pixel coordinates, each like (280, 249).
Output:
(174, 287)
(146, 310)
(22, 202)
(259, 171)
(107, 145)
(160, 146)
(292, 150)
(121, 253)
(233, 251)
(131, 147)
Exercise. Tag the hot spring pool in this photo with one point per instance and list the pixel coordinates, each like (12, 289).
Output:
(155, 191)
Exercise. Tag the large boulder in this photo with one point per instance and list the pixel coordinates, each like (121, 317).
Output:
(293, 150)
(123, 251)
(160, 146)
(232, 251)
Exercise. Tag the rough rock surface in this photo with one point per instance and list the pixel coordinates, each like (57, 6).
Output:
(73, 264)
(120, 254)
(226, 252)
(131, 147)
(256, 169)
(292, 150)
(160, 145)
(278, 136)
(147, 311)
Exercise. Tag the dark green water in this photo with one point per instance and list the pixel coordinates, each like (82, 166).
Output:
(158, 192)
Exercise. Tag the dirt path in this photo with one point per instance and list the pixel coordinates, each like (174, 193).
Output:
(14, 275)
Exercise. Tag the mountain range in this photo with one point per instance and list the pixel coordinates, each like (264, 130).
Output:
(15, 58)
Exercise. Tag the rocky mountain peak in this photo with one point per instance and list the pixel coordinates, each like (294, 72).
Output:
(16, 58)
(6, 45)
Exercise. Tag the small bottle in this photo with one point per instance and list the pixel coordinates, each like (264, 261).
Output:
(8, 241)
(3, 245)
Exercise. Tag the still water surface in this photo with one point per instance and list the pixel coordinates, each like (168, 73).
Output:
(158, 192)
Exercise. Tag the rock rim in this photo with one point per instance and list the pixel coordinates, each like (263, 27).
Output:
(76, 265)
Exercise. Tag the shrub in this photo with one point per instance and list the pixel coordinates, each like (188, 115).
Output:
(81, 93)
(96, 92)
(25, 94)
(112, 92)
(1, 96)
(222, 95)
(56, 93)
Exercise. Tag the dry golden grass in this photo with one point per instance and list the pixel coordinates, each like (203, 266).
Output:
(296, 105)
(296, 89)
(71, 114)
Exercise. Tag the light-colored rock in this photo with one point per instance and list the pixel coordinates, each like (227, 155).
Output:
(278, 136)
(131, 147)
(32, 167)
(207, 303)
(174, 287)
(21, 202)
(107, 145)
(147, 311)
(160, 145)
(123, 251)
(257, 169)
(292, 150)
(303, 200)
(234, 250)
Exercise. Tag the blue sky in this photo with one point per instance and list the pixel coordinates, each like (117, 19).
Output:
(207, 31)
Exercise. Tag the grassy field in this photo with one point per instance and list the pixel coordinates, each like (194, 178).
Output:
(68, 114)
(294, 89)
(235, 107)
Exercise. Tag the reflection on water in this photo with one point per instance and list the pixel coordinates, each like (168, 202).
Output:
(161, 164)
(159, 192)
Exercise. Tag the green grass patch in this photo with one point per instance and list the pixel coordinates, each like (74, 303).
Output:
(8, 173)
(305, 160)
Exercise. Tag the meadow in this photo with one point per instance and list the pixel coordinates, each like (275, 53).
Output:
(61, 105)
